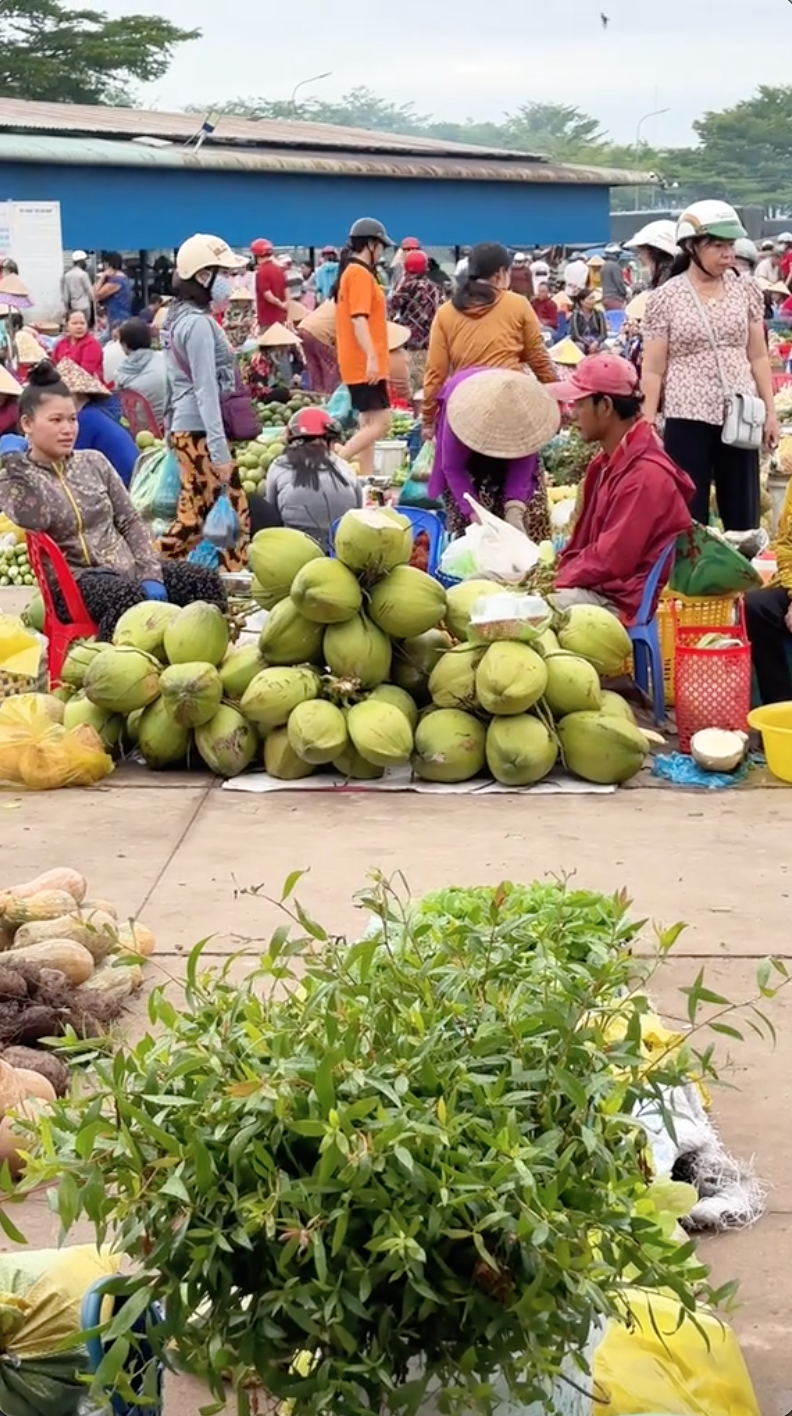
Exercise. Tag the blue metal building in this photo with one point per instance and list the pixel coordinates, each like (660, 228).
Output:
(139, 180)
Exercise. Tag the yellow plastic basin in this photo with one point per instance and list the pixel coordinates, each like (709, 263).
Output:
(775, 724)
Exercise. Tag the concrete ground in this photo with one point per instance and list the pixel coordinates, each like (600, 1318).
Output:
(176, 851)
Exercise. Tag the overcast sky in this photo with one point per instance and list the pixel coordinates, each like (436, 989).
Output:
(464, 59)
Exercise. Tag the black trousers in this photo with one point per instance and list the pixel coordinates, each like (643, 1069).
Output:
(765, 616)
(697, 448)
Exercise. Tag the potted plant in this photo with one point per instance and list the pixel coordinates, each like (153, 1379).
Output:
(411, 1159)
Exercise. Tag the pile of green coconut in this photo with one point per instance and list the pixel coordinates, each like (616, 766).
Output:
(364, 664)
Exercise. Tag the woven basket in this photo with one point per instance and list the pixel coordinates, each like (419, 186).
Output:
(11, 685)
(699, 612)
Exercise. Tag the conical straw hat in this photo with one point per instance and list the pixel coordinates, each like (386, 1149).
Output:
(78, 380)
(8, 384)
(297, 311)
(502, 414)
(637, 306)
(565, 352)
(277, 336)
(398, 336)
(28, 349)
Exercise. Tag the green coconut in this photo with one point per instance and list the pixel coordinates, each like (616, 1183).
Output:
(317, 731)
(452, 682)
(161, 741)
(289, 638)
(192, 693)
(399, 698)
(34, 613)
(373, 540)
(573, 685)
(326, 592)
(413, 661)
(122, 679)
(381, 733)
(460, 601)
(602, 748)
(227, 743)
(616, 706)
(75, 665)
(520, 750)
(280, 759)
(358, 651)
(546, 643)
(597, 635)
(273, 694)
(510, 678)
(143, 626)
(132, 728)
(239, 668)
(350, 764)
(407, 603)
(198, 634)
(275, 556)
(449, 746)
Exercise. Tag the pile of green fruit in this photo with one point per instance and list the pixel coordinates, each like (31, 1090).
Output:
(15, 568)
(253, 460)
(145, 441)
(277, 415)
(402, 424)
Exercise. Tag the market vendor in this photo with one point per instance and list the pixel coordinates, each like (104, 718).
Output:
(635, 500)
(277, 361)
(309, 485)
(768, 616)
(318, 335)
(490, 427)
(80, 502)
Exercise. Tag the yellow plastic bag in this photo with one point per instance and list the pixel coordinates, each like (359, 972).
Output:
(45, 1289)
(40, 755)
(681, 1373)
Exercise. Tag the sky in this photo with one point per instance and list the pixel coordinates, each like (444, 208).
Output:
(462, 60)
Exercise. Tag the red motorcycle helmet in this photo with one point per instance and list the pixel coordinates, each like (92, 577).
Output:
(260, 247)
(313, 423)
(411, 243)
(331, 252)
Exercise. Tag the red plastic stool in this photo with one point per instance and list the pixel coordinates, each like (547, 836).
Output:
(49, 564)
(139, 413)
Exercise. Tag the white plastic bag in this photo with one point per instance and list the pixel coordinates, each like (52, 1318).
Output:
(508, 615)
(490, 549)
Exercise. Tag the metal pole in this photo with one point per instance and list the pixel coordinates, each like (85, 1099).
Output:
(655, 113)
(315, 79)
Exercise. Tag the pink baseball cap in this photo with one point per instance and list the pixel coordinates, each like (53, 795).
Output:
(599, 373)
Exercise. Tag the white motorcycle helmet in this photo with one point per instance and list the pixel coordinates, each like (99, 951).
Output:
(745, 250)
(659, 235)
(715, 219)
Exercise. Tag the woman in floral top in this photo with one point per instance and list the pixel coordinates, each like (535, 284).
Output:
(681, 370)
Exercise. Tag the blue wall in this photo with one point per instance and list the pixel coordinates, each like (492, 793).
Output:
(129, 209)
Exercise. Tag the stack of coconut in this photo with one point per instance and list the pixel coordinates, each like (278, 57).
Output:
(363, 664)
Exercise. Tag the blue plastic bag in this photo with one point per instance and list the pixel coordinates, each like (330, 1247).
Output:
(221, 527)
(169, 489)
(206, 555)
(339, 404)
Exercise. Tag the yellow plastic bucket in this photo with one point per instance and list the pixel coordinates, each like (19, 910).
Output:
(775, 724)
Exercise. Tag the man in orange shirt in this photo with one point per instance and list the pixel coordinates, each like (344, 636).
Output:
(362, 338)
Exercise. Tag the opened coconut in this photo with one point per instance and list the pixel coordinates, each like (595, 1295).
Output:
(372, 541)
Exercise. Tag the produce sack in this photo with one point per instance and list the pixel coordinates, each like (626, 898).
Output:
(41, 1295)
(661, 1364)
(40, 755)
(156, 484)
(707, 565)
(23, 658)
(490, 549)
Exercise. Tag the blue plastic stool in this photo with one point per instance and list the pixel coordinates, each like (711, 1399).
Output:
(428, 521)
(645, 637)
(141, 1355)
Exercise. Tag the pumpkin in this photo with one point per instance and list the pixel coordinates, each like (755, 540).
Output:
(47, 904)
(73, 960)
(63, 878)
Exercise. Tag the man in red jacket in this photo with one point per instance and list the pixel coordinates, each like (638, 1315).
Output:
(272, 303)
(635, 499)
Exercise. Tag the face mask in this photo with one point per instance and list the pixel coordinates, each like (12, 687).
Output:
(222, 286)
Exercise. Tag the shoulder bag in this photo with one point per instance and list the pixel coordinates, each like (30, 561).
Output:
(236, 407)
(745, 413)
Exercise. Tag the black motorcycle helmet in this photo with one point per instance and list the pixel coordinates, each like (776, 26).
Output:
(367, 228)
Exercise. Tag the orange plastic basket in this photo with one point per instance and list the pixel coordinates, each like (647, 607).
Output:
(712, 686)
(700, 612)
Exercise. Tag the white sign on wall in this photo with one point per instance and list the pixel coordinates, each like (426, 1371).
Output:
(30, 233)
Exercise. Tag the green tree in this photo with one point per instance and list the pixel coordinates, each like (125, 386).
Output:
(556, 130)
(54, 54)
(745, 152)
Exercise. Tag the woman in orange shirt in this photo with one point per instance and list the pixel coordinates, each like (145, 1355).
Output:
(486, 326)
(362, 338)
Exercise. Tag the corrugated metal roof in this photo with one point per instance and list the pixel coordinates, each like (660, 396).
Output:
(88, 120)
(97, 152)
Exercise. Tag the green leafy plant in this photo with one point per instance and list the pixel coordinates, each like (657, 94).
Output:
(412, 1158)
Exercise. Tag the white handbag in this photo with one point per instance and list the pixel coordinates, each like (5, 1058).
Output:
(744, 413)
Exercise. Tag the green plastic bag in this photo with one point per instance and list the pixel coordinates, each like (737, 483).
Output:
(705, 565)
